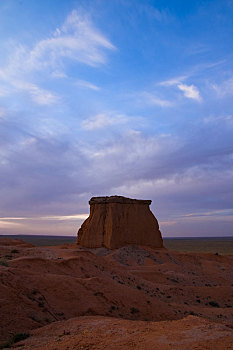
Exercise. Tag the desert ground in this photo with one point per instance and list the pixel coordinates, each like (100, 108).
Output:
(134, 297)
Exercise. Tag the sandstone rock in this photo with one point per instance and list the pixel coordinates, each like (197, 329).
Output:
(117, 221)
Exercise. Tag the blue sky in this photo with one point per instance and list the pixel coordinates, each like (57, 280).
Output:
(121, 97)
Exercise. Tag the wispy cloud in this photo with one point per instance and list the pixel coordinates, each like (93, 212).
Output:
(190, 91)
(221, 212)
(214, 215)
(87, 85)
(154, 99)
(77, 40)
(50, 217)
(173, 81)
(38, 95)
(7, 224)
(167, 223)
(103, 120)
(40, 224)
(228, 118)
(65, 217)
(224, 89)
(58, 74)
(2, 113)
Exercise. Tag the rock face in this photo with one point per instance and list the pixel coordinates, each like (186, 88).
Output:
(118, 221)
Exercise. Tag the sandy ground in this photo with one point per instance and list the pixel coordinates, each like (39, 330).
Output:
(133, 297)
(99, 332)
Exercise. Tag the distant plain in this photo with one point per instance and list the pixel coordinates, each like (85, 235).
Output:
(220, 245)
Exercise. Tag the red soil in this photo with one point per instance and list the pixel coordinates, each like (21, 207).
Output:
(58, 284)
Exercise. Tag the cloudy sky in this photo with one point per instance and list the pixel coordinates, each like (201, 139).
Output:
(126, 97)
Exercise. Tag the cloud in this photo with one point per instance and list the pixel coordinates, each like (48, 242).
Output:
(224, 89)
(103, 120)
(228, 119)
(153, 99)
(57, 176)
(58, 74)
(65, 217)
(173, 81)
(190, 91)
(160, 102)
(167, 223)
(51, 217)
(17, 82)
(87, 85)
(215, 213)
(4, 91)
(38, 95)
(77, 40)
(9, 225)
(2, 113)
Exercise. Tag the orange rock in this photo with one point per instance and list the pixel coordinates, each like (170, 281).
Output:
(118, 221)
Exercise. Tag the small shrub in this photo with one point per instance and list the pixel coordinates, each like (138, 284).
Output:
(5, 345)
(174, 280)
(34, 291)
(8, 257)
(15, 339)
(14, 251)
(3, 263)
(112, 308)
(19, 336)
(214, 303)
(134, 310)
(120, 282)
(139, 287)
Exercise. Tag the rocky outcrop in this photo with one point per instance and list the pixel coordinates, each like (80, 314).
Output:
(117, 221)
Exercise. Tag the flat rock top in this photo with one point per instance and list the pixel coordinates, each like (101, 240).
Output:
(118, 199)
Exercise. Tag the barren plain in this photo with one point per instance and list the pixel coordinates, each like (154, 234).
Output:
(67, 297)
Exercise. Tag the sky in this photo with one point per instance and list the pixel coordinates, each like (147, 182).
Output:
(116, 97)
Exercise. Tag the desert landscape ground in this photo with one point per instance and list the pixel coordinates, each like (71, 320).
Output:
(68, 297)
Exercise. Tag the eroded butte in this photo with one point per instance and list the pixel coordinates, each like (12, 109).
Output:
(118, 221)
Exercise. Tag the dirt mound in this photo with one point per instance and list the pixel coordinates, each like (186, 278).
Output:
(42, 285)
(118, 221)
(14, 242)
(113, 334)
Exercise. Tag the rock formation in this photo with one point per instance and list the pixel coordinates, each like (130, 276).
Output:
(118, 221)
